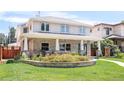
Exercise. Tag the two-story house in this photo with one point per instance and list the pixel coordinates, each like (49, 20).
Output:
(53, 34)
(114, 32)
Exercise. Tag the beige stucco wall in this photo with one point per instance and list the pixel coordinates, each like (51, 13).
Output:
(101, 32)
(117, 30)
(56, 28)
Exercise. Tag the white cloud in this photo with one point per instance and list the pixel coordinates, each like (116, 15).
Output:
(14, 19)
(26, 15)
(70, 16)
(59, 14)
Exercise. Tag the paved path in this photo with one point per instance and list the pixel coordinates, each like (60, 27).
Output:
(116, 62)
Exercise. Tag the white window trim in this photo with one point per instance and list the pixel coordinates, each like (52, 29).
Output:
(65, 46)
(83, 30)
(45, 27)
(65, 28)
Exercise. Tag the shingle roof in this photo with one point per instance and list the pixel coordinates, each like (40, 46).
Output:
(59, 20)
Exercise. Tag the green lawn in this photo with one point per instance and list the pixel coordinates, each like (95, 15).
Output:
(101, 71)
(115, 59)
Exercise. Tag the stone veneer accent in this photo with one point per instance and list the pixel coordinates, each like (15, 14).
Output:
(59, 64)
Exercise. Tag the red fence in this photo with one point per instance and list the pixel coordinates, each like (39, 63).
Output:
(9, 52)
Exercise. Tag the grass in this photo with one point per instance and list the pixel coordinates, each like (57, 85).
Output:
(115, 59)
(101, 71)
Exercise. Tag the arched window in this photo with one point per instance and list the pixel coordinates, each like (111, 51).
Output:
(47, 27)
(42, 27)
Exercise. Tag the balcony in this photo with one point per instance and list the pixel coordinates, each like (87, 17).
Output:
(64, 33)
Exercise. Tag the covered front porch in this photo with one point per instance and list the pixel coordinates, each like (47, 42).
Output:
(60, 44)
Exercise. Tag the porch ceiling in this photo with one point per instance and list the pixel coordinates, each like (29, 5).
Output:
(60, 36)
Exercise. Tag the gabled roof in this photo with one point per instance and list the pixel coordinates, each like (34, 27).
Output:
(110, 24)
(59, 20)
(114, 36)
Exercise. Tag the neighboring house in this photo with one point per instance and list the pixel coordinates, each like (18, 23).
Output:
(53, 34)
(114, 32)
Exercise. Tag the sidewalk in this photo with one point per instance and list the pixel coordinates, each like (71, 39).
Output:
(116, 62)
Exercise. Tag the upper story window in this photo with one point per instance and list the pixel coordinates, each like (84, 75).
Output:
(82, 30)
(47, 27)
(90, 30)
(30, 27)
(64, 28)
(44, 27)
(98, 29)
(25, 30)
(108, 29)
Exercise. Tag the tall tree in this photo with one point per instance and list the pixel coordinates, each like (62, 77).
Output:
(11, 35)
(2, 38)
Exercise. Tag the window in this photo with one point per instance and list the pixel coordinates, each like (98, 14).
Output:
(44, 27)
(47, 27)
(64, 28)
(67, 28)
(90, 30)
(25, 30)
(45, 46)
(62, 47)
(68, 47)
(82, 30)
(65, 47)
(108, 30)
(98, 29)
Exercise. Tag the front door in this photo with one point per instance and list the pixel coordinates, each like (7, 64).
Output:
(45, 46)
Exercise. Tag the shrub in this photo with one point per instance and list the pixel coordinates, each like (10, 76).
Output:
(10, 61)
(64, 58)
(36, 57)
(74, 54)
(24, 56)
(119, 55)
(17, 57)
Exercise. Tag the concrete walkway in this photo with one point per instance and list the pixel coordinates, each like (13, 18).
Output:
(116, 62)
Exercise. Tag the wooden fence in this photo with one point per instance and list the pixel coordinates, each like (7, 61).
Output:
(9, 52)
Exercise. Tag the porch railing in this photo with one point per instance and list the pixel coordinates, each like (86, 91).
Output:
(81, 34)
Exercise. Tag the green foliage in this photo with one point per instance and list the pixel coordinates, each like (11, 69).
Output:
(61, 58)
(11, 61)
(102, 71)
(119, 55)
(35, 57)
(109, 43)
(122, 21)
(11, 35)
(74, 53)
(24, 56)
(2, 38)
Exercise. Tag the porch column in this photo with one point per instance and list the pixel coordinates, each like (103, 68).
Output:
(25, 44)
(82, 47)
(99, 48)
(88, 48)
(57, 44)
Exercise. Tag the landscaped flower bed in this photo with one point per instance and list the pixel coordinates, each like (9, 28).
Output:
(60, 60)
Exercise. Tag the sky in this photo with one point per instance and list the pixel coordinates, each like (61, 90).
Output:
(14, 18)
